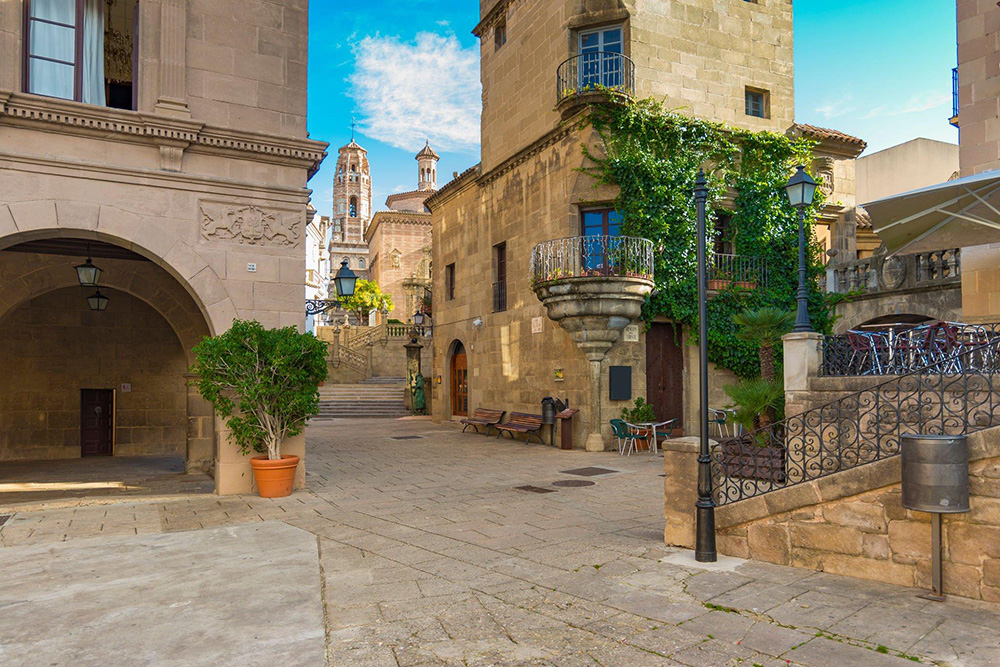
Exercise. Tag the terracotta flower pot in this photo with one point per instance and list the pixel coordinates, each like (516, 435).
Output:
(274, 478)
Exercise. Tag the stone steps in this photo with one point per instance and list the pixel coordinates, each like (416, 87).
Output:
(374, 398)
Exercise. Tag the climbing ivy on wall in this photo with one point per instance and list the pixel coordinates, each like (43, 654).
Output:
(653, 156)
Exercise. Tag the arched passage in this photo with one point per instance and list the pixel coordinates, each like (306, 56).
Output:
(458, 380)
(111, 383)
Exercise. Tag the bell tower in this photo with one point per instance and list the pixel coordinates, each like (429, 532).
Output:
(352, 209)
(427, 168)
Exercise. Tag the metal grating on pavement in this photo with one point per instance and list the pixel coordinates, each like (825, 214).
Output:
(589, 471)
(573, 483)
(534, 489)
(406, 437)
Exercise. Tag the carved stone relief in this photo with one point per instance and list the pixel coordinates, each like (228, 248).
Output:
(251, 224)
(394, 258)
(824, 169)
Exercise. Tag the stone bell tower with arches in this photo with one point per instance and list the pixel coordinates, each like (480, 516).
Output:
(427, 161)
(352, 210)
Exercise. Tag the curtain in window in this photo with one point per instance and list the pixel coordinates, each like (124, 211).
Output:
(53, 47)
(93, 53)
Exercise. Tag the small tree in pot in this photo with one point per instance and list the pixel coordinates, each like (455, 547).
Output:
(265, 383)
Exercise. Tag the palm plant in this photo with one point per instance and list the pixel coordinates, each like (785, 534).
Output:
(764, 326)
(759, 402)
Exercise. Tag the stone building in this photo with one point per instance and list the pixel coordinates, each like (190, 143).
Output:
(495, 345)
(399, 241)
(179, 164)
(352, 209)
(317, 263)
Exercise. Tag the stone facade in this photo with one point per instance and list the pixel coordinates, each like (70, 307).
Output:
(399, 241)
(701, 58)
(207, 179)
(318, 231)
(853, 523)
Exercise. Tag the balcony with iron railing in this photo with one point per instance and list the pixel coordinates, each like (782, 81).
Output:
(735, 271)
(592, 257)
(587, 77)
(954, 97)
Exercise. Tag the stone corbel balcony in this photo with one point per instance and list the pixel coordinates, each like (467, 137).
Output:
(588, 78)
(593, 286)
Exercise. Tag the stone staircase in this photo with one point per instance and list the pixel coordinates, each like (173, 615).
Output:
(380, 397)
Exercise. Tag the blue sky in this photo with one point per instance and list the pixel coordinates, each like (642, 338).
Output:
(407, 71)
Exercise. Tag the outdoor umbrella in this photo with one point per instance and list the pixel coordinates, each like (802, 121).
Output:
(955, 214)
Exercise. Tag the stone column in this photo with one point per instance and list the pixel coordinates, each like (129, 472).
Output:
(802, 361)
(172, 98)
(200, 430)
(680, 490)
(595, 441)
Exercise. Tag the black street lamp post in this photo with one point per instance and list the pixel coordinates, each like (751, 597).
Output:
(800, 190)
(705, 538)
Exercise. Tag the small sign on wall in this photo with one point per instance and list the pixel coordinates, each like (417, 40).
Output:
(631, 334)
(558, 375)
(537, 325)
(252, 267)
(620, 383)
(125, 388)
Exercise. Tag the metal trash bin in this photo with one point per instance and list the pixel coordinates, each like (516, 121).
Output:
(935, 479)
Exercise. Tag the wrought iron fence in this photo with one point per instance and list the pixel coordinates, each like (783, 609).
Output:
(592, 256)
(901, 351)
(725, 271)
(954, 92)
(598, 70)
(952, 396)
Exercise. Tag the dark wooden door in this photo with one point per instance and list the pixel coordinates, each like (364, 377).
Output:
(97, 422)
(459, 383)
(665, 372)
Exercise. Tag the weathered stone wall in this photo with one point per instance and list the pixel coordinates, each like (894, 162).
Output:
(979, 104)
(54, 346)
(944, 303)
(389, 360)
(400, 249)
(696, 55)
(853, 523)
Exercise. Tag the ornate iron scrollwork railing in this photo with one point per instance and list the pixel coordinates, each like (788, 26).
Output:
(317, 306)
(725, 271)
(597, 70)
(953, 396)
(592, 256)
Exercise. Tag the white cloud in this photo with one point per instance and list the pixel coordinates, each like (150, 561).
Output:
(407, 92)
(915, 104)
(839, 107)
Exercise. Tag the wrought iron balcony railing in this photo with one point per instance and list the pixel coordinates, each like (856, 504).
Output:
(598, 70)
(592, 256)
(952, 396)
(954, 94)
(726, 271)
(885, 274)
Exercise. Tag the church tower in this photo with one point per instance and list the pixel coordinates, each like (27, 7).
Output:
(352, 210)
(427, 168)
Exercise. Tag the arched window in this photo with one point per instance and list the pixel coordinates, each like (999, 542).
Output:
(354, 207)
(348, 260)
(354, 169)
(361, 263)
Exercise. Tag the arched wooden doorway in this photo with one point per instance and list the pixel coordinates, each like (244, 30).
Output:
(459, 382)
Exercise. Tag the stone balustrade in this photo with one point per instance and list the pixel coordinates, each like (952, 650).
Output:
(883, 273)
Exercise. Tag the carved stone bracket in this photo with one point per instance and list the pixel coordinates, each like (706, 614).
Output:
(249, 224)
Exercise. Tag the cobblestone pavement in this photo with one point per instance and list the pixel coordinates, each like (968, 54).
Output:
(430, 554)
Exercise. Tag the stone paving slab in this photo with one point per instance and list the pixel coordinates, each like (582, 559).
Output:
(239, 595)
(429, 555)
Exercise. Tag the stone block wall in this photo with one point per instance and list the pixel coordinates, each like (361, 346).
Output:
(399, 245)
(54, 346)
(978, 77)
(853, 523)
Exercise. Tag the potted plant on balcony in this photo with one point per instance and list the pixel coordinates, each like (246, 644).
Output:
(265, 383)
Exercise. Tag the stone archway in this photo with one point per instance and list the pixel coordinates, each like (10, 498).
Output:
(458, 380)
(152, 324)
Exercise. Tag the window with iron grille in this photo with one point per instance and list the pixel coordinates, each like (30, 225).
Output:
(449, 281)
(500, 271)
(725, 233)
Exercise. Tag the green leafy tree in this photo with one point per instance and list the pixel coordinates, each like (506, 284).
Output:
(653, 156)
(764, 327)
(368, 296)
(265, 382)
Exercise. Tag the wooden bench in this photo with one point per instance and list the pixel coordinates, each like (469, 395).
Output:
(520, 422)
(483, 417)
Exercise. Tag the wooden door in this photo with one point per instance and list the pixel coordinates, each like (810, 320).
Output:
(665, 372)
(97, 422)
(459, 383)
